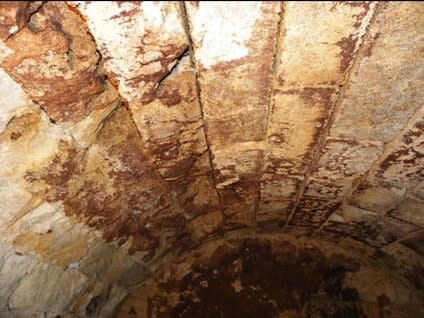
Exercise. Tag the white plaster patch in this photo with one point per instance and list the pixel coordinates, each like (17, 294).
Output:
(222, 30)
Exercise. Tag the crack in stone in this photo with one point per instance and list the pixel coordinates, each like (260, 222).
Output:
(14, 34)
(179, 59)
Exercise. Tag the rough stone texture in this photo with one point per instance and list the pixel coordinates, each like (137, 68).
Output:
(13, 100)
(313, 59)
(118, 191)
(60, 72)
(392, 59)
(411, 211)
(403, 162)
(235, 77)
(410, 262)
(140, 42)
(395, 174)
(26, 296)
(158, 82)
(376, 124)
(138, 135)
(14, 268)
(271, 277)
(172, 130)
(340, 164)
(14, 16)
(375, 198)
(414, 241)
(316, 53)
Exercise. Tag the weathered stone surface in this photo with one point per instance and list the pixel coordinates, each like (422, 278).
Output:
(326, 189)
(13, 100)
(366, 226)
(411, 211)
(403, 162)
(15, 199)
(415, 242)
(135, 135)
(317, 53)
(14, 268)
(235, 83)
(172, 131)
(277, 197)
(60, 72)
(277, 210)
(47, 232)
(115, 297)
(384, 295)
(112, 187)
(30, 133)
(279, 189)
(418, 191)
(350, 215)
(312, 212)
(388, 230)
(119, 192)
(386, 87)
(272, 276)
(351, 221)
(85, 131)
(409, 262)
(375, 197)
(296, 122)
(313, 60)
(140, 42)
(60, 289)
(341, 162)
(237, 176)
(171, 125)
(159, 84)
(342, 158)
(206, 224)
(14, 15)
(379, 115)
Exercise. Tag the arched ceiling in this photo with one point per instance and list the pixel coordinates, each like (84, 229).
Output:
(132, 130)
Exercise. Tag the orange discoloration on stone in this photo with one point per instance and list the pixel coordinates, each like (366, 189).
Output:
(60, 72)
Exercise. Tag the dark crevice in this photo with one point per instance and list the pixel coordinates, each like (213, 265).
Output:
(27, 20)
(45, 112)
(173, 68)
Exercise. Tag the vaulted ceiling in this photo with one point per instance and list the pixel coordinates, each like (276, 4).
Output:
(132, 130)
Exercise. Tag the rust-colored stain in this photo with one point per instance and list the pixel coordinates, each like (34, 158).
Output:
(67, 88)
(238, 136)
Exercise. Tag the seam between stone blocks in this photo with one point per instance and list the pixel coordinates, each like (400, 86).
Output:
(335, 109)
(279, 34)
(186, 24)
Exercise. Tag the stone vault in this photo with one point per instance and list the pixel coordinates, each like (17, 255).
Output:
(167, 159)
